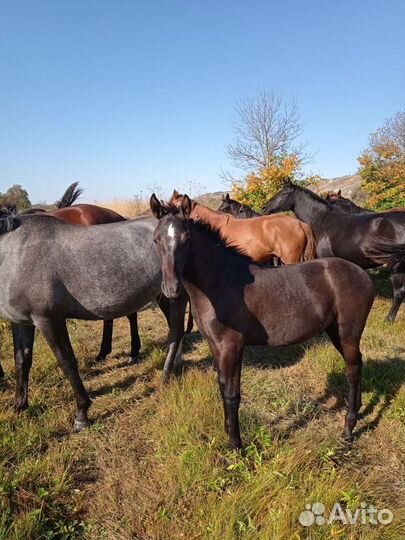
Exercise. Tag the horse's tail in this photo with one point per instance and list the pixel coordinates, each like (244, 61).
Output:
(310, 248)
(72, 193)
(384, 251)
(9, 223)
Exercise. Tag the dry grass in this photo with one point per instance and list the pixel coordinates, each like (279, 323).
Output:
(129, 208)
(156, 465)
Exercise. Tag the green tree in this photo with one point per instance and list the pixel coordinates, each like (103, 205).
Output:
(382, 165)
(16, 196)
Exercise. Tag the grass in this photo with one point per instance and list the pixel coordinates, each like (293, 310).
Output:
(129, 208)
(156, 465)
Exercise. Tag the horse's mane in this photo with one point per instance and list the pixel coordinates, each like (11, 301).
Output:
(205, 229)
(173, 208)
(215, 235)
(314, 196)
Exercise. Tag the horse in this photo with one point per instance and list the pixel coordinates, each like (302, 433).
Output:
(86, 215)
(241, 211)
(349, 206)
(259, 238)
(236, 209)
(367, 239)
(51, 271)
(237, 303)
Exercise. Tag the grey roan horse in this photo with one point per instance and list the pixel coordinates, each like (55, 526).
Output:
(51, 271)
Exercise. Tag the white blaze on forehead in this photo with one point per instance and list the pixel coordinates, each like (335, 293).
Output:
(170, 231)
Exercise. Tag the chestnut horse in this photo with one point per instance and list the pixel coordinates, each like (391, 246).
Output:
(259, 238)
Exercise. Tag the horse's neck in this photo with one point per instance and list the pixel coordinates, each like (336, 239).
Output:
(209, 217)
(311, 211)
(250, 212)
(205, 262)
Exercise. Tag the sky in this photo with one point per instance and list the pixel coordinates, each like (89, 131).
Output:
(127, 95)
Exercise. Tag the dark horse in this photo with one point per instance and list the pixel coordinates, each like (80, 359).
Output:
(347, 205)
(236, 209)
(236, 303)
(367, 239)
(51, 271)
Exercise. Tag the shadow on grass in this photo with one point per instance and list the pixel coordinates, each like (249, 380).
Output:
(381, 281)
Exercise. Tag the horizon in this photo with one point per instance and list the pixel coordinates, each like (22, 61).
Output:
(127, 98)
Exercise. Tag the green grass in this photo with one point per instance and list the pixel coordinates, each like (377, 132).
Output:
(156, 463)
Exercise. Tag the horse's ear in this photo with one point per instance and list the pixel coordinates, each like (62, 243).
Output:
(327, 197)
(227, 197)
(288, 182)
(156, 206)
(339, 193)
(186, 206)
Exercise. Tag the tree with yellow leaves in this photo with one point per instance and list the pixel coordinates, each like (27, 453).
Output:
(265, 147)
(382, 165)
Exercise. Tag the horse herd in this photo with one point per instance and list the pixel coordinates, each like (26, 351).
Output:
(86, 262)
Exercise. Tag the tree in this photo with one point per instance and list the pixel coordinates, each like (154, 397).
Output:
(382, 165)
(265, 130)
(15, 196)
(265, 147)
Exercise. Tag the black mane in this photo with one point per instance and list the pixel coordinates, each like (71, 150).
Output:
(314, 196)
(214, 235)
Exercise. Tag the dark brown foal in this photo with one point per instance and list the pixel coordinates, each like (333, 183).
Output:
(237, 303)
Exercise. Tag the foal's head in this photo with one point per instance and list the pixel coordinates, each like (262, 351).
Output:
(173, 240)
(282, 201)
(229, 206)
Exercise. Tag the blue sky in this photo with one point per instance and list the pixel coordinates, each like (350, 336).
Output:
(125, 95)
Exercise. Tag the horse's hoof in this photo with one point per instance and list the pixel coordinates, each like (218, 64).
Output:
(166, 376)
(236, 445)
(20, 406)
(348, 438)
(79, 425)
(133, 360)
(101, 357)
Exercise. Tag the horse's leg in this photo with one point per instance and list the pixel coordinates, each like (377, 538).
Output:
(398, 285)
(135, 340)
(190, 321)
(354, 364)
(1, 372)
(333, 333)
(55, 333)
(106, 341)
(174, 313)
(229, 363)
(23, 339)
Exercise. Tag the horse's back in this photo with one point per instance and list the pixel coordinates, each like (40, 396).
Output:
(103, 271)
(295, 302)
(87, 214)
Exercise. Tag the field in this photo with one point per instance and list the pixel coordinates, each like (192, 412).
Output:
(155, 464)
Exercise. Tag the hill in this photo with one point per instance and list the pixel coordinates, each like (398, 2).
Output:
(349, 184)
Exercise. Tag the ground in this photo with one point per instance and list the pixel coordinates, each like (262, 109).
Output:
(156, 464)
